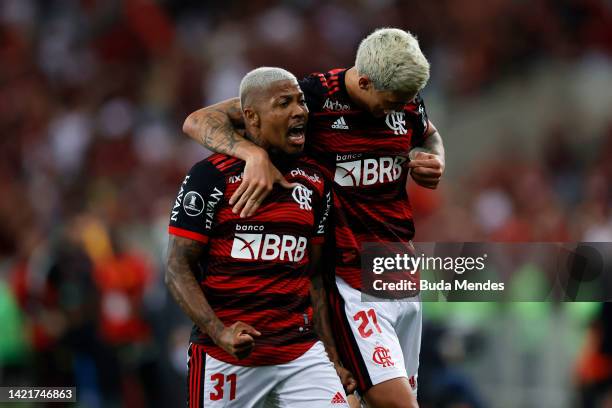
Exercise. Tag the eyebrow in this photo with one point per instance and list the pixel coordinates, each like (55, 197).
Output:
(290, 95)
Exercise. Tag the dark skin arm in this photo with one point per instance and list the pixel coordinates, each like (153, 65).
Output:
(218, 128)
(427, 161)
(182, 265)
(321, 321)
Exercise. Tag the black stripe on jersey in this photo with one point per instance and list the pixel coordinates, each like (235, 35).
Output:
(389, 229)
(260, 269)
(247, 302)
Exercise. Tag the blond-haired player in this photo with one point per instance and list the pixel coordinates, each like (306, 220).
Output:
(368, 130)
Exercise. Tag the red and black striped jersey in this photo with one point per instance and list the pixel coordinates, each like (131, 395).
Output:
(255, 269)
(367, 158)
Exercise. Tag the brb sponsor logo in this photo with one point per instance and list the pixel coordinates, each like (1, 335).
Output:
(367, 172)
(267, 247)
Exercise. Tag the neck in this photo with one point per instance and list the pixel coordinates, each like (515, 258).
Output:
(256, 138)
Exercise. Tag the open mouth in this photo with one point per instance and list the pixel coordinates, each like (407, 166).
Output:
(297, 134)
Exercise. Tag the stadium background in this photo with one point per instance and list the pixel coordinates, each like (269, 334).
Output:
(92, 97)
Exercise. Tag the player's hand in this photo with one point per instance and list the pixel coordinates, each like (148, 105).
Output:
(237, 339)
(353, 401)
(258, 180)
(346, 378)
(426, 168)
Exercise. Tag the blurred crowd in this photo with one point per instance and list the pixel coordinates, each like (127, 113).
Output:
(93, 94)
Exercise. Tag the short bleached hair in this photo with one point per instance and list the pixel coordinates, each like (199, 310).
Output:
(392, 59)
(259, 79)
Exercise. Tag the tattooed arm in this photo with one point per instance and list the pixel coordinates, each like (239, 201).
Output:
(427, 161)
(321, 321)
(183, 257)
(217, 128)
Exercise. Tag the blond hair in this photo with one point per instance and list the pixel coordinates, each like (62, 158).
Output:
(259, 79)
(392, 59)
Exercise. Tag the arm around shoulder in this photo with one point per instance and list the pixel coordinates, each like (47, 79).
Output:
(216, 127)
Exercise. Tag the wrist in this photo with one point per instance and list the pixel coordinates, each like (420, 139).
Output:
(333, 356)
(254, 153)
(214, 330)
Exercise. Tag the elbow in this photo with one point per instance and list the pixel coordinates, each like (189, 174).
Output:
(169, 276)
(190, 125)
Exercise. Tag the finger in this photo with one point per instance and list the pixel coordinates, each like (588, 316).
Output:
(243, 354)
(243, 340)
(258, 196)
(424, 155)
(427, 172)
(246, 328)
(243, 349)
(352, 385)
(250, 207)
(431, 163)
(239, 191)
(243, 199)
(285, 184)
(416, 153)
(426, 181)
(430, 185)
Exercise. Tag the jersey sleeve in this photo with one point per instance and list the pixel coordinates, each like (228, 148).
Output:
(314, 91)
(322, 213)
(420, 121)
(194, 209)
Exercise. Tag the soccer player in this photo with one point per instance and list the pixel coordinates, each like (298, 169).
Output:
(252, 287)
(368, 129)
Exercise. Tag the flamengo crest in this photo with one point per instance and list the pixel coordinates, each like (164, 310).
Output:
(396, 122)
(302, 196)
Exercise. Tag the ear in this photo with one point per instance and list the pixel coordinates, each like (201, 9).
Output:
(251, 118)
(364, 82)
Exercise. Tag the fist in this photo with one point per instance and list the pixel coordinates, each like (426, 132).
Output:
(238, 339)
(346, 378)
(426, 169)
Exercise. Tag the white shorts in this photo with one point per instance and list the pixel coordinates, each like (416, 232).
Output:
(378, 340)
(309, 381)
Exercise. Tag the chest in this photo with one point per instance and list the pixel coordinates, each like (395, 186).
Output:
(280, 229)
(351, 131)
(284, 210)
(360, 152)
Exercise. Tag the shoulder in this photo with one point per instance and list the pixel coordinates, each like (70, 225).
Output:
(417, 106)
(307, 170)
(416, 110)
(320, 85)
(213, 171)
(221, 164)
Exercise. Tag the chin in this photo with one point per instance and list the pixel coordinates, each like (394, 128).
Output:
(294, 150)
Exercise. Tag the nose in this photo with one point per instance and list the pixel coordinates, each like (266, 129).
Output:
(300, 111)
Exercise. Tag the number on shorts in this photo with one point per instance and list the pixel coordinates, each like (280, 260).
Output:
(220, 379)
(366, 317)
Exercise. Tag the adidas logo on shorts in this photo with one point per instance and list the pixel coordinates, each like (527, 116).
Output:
(340, 123)
(338, 399)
